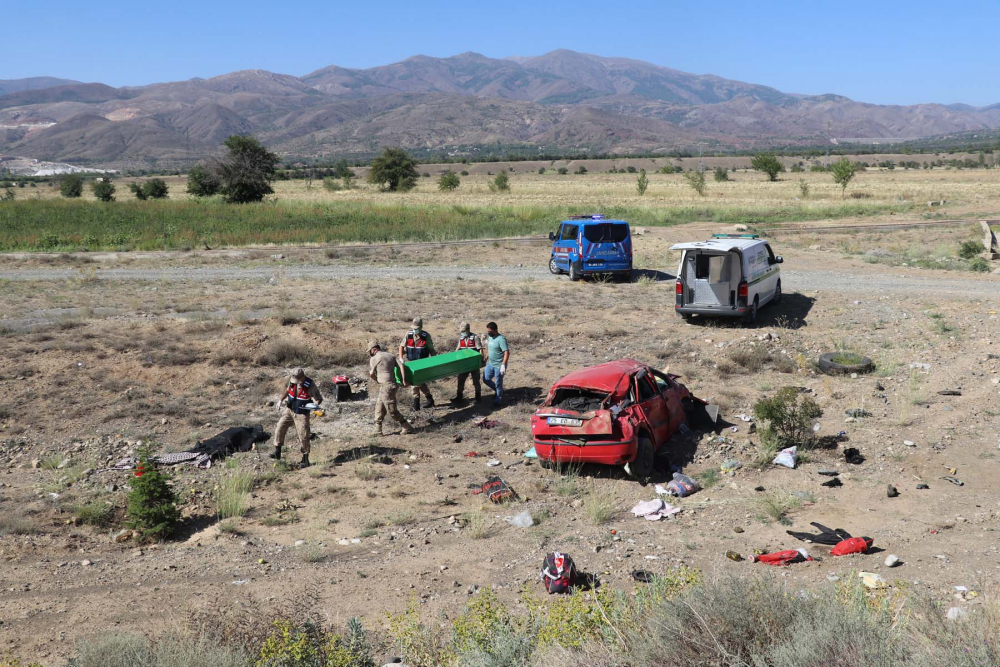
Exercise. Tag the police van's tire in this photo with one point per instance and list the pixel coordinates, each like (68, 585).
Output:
(859, 365)
(751, 317)
(644, 465)
(575, 271)
(553, 267)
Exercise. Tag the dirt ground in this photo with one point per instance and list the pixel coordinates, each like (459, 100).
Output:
(93, 363)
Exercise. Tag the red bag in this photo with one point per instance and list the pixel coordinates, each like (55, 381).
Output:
(854, 545)
(783, 557)
(558, 572)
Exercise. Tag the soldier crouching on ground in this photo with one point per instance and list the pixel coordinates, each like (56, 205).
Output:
(380, 369)
(302, 391)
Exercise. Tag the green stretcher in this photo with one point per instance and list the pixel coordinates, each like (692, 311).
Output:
(421, 371)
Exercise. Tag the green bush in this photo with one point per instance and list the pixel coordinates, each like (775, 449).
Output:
(71, 186)
(562, 171)
(721, 175)
(641, 183)
(581, 170)
(156, 188)
(696, 179)
(788, 416)
(970, 249)
(152, 505)
(394, 170)
(306, 645)
(501, 183)
(448, 181)
(768, 164)
(104, 189)
(202, 182)
(979, 265)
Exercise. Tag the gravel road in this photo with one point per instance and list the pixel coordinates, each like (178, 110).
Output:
(861, 282)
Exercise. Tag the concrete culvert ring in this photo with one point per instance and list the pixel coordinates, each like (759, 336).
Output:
(844, 363)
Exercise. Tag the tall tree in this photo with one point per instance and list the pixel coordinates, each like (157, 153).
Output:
(245, 174)
(104, 189)
(71, 186)
(394, 170)
(201, 182)
(843, 171)
(769, 164)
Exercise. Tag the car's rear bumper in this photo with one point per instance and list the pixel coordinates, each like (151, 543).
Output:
(721, 311)
(612, 453)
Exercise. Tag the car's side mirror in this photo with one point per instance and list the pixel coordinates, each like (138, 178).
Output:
(778, 260)
(552, 236)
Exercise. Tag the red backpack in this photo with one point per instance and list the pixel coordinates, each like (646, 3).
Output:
(558, 573)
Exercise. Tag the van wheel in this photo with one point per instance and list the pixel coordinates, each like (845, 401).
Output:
(553, 267)
(751, 317)
(575, 272)
(777, 293)
(643, 466)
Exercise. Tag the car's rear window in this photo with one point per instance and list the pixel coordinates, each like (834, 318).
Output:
(606, 233)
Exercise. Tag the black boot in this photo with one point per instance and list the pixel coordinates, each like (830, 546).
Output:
(416, 403)
(304, 463)
(430, 401)
(276, 454)
(458, 399)
(479, 397)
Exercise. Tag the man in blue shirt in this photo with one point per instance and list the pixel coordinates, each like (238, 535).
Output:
(498, 354)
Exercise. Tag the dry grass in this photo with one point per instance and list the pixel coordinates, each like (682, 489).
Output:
(232, 496)
(478, 525)
(599, 504)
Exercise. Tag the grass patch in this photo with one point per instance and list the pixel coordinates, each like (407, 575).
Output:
(599, 504)
(232, 496)
(708, 478)
(54, 225)
(95, 513)
(775, 506)
(478, 525)
(366, 472)
(18, 525)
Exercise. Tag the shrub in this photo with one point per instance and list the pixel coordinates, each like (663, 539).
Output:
(843, 171)
(232, 496)
(541, 171)
(789, 416)
(969, 249)
(463, 173)
(138, 191)
(581, 170)
(721, 174)
(448, 181)
(394, 170)
(331, 184)
(71, 186)
(94, 513)
(979, 265)
(202, 182)
(768, 164)
(152, 505)
(7, 194)
(127, 650)
(641, 183)
(287, 353)
(156, 188)
(308, 645)
(696, 179)
(599, 504)
(630, 169)
(501, 183)
(562, 171)
(803, 188)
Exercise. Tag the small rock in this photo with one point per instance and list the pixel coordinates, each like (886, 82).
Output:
(35, 463)
(737, 529)
(86, 563)
(442, 568)
(891, 491)
(922, 486)
(909, 443)
(955, 613)
(63, 464)
(300, 543)
(123, 535)
(892, 560)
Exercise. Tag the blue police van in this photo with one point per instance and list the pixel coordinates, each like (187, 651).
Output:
(589, 244)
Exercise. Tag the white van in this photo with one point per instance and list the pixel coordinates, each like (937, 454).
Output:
(730, 275)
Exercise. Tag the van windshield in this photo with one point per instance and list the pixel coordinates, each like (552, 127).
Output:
(606, 233)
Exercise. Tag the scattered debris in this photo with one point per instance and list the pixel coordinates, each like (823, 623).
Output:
(954, 480)
(654, 510)
(891, 491)
(787, 457)
(853, 456)
(522, 520)
(497, 490)
(733, 556)
(858, 413)
(780, 558)
(949, 392)
(872, 580)
(832, 483)
(682, 485)
(828, 472)
(892, 560)
(486, 423)
(922, 486)
(642, 576)
(730, 466)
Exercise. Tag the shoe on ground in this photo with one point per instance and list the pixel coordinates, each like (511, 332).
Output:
(430, 402)
(304, 463)
(276, 454)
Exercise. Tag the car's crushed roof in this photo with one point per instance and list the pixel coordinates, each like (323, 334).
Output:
(604, 377)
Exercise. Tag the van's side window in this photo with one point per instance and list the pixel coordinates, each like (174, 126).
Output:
(770, 254)
(569, 232)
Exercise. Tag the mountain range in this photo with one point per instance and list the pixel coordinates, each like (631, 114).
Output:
(467, 104)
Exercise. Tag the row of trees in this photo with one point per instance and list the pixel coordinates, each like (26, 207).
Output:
(71, 187)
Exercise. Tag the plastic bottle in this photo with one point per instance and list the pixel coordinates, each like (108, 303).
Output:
(732, 555)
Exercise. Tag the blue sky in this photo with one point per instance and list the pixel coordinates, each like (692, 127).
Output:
(874, 51)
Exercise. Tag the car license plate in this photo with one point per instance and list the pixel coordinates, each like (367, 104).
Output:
(564, 421)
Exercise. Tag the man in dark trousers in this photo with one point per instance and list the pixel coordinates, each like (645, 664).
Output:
(468, 341)
(417, 344)
(301, 391)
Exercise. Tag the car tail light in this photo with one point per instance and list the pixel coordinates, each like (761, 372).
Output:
(743, 291)
(680, 287)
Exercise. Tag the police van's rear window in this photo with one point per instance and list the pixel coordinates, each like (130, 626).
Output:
(606, 233)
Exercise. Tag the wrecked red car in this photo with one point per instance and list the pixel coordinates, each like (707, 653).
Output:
(618, 413)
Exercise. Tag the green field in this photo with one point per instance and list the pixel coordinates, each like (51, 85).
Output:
(55, 225)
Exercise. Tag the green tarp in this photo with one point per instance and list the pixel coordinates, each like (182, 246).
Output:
(421, 371)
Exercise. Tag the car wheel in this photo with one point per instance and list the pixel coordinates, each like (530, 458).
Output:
(643, 466)
(751, 317)
(575, 272)
(553, 267)
(686, 317)
(777, 293)
(545, 463)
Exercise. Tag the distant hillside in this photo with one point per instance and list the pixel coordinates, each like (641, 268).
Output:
(467, 104)
(8, 86)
